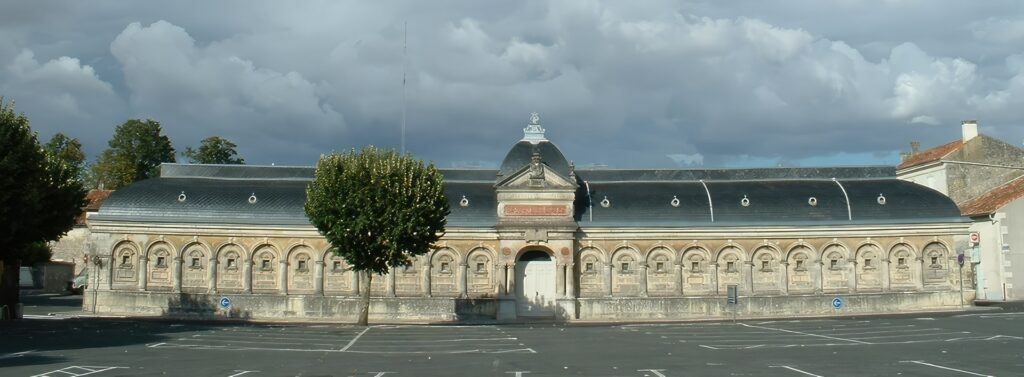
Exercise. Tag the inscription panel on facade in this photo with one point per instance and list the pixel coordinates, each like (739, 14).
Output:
(535, 210)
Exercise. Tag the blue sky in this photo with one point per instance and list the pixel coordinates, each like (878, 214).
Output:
(623, 84)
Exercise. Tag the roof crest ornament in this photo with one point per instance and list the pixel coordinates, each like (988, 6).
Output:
(533, 132)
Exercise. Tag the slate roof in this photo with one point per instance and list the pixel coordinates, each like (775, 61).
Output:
(522, 152)
(995, 199)
(931, 155)
(638, 198)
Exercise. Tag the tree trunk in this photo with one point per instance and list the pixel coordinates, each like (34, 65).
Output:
(9, 288)
(364, 302)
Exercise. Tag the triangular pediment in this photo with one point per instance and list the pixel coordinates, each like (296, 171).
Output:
(536, 177)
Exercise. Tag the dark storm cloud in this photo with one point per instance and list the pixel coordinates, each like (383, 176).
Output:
(648, 83)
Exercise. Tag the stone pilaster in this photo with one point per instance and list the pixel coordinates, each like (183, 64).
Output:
(318, 278)
(247, 276)
(143, 269)
(283, 276)
(177, 274)
(643, 279)
(212, 275)
(608, 279)
(463, 276)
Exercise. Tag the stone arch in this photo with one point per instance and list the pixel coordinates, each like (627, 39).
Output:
(767, 275)
(869, 269)
(338, 276)
(195, 266)
(480, 280)
(444, 272)
(730, 266)
(231, 262)
(936, 263)
(835, 268)
(697, 272)
(592, 271)
(662, 271)
(904, 266)
(266, 260)
(125, 264)
(801, 269)
(160, 265)
(301, 269)
(626, 271)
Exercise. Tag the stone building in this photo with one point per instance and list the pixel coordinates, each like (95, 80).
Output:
(985, 177)
(71, 248)
(539, 237)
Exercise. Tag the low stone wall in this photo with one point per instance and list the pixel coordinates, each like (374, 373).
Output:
(288, 308)
(438, 309)
(682, 308)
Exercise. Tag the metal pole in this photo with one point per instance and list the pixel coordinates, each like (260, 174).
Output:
(961, 286)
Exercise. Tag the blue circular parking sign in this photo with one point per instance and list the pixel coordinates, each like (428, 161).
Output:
(837, 303)
(225, 303)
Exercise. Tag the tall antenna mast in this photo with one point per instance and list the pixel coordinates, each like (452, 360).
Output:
(405, 38)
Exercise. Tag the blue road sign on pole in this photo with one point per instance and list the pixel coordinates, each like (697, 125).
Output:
(225, 303)
(837, 303)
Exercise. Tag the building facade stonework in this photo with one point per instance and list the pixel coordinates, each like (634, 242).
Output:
(539, 238)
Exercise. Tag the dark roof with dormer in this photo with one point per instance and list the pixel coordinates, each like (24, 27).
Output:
(219, 194)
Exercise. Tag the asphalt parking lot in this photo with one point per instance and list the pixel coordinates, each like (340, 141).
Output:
(974, 344)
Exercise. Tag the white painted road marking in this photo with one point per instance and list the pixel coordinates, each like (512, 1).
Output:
(379, 374)
(657, 372)
(75, 371)
(946, 368)
(804, 333)
(519, 373)
(241, 372)
(794, 369)
(353, 341)
(16, 354)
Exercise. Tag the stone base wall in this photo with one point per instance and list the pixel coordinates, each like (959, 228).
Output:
(413, 309)
(288, 308)
(684, 308)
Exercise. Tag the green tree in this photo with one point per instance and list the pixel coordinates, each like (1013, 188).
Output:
(377, 209)
(136, 152)
(40, 196)
(68, 149)
(214, 150)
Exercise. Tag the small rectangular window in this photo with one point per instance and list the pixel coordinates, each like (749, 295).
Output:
(764, 265)
(901, 261)
(834, 263)
(266, 264)
(195, 262)
(302, 265)
(160, 261)
(625, 266)
(867, 263)
(444, 267)
(231, 262)
(481, 267)
(337, 265)
(935, 260)
(590, 267)
(660, 267)
(694, 266)
(799, 264)
(125, 259)
(730, 266)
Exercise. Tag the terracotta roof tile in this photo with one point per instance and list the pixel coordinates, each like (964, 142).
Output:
(95, 199)
(930, 155)
(995, 199)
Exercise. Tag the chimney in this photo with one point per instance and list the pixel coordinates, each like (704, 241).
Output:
(914, 147)
(970, 129)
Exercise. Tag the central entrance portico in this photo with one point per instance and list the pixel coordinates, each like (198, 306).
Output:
(536, 188)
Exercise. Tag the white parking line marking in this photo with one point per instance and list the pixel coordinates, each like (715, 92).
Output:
(946, 368)
(354, 340)
(16, 354)
(518, 373)
(657, 372)
(794, 369)
(88, 370)
(241, 372)
(804, 333)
